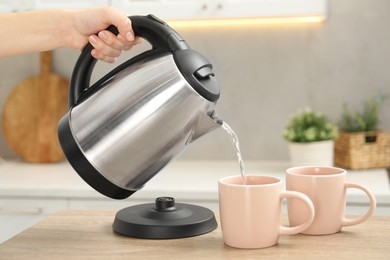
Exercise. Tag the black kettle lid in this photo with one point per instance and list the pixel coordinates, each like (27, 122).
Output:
(164, 219)
(199, 73)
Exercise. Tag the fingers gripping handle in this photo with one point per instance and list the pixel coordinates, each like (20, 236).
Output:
(297, 229)
(351, 222)
(149, 27)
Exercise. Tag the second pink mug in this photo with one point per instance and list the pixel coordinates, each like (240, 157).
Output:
(326, 187)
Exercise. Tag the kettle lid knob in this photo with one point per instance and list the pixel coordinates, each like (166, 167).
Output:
(165, 203)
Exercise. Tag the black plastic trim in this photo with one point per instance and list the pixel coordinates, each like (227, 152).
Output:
(189, 62)
(156, 32)
(150, 54)
(82, 166)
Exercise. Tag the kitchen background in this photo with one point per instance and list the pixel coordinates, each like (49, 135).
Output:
(268, 72)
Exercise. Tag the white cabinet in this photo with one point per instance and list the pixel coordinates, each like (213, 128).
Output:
(267, 8)
(211, 9)
(184, 9)
(7, 6)
(19, 214)
(165, 9)
(67, 4)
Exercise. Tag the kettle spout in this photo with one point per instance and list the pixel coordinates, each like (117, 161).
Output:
(205, 124)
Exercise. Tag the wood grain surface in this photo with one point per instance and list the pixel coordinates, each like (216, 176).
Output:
(74, 234)
(31, 114)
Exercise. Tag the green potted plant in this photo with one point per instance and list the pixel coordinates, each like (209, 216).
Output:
(361, 145)
(311, 138)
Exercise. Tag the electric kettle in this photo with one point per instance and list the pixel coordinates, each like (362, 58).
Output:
(122, 130)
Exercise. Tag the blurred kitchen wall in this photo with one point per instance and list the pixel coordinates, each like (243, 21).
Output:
(268, 72)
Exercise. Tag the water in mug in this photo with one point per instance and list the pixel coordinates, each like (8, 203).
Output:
(236, 145)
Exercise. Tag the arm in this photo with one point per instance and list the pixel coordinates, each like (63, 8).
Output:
(49, 29)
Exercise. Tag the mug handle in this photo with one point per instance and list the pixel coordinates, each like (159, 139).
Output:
(351, 222)
(297, 229)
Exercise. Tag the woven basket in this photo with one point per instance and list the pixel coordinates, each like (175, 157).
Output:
(362, 150)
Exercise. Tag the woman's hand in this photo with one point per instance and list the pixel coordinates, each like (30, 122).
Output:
(90, 24)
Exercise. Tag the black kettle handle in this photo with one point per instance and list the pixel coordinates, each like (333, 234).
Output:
(149, 27)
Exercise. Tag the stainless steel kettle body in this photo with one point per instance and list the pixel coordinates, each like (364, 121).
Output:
(125, 128)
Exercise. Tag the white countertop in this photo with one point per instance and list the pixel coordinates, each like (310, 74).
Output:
(187, 180)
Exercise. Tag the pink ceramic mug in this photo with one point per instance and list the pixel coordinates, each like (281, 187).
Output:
(251, 213)
(326, 186)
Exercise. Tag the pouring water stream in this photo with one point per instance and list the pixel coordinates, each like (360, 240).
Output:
(236, 145)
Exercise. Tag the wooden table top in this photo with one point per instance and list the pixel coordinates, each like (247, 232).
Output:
(85, 234)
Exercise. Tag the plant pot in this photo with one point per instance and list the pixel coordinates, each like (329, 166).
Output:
(362, 150)
(311, 154)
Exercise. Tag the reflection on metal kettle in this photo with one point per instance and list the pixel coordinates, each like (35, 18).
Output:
(131, 123)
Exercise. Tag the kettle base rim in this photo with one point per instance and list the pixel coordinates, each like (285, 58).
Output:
(150, 221)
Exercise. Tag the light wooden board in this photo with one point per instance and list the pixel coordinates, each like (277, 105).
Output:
(31, 114)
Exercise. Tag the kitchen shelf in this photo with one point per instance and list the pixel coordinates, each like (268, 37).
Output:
(188, 180)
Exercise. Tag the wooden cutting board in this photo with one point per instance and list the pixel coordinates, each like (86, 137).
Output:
(31, 114)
